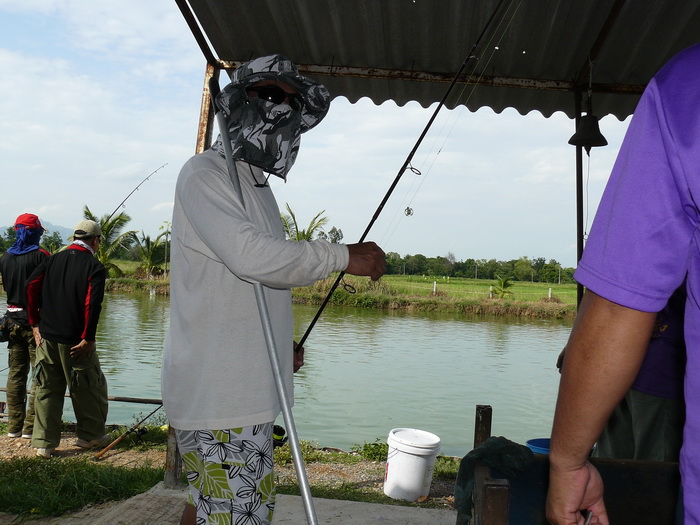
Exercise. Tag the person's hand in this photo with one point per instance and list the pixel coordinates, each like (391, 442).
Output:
(366, 259)
(36, 334)
(82, 349)
(571, 491)
(298, 357)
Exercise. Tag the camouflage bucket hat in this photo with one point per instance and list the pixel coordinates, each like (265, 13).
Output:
(316, 99)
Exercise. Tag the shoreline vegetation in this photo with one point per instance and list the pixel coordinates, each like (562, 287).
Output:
(417, 293)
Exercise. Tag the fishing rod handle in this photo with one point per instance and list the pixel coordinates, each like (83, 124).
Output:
(111, 445)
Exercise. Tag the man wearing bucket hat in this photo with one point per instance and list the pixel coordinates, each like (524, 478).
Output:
(64, 296)
(217, 383)
(16, 264)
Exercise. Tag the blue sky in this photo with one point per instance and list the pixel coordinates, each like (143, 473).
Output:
(94, 96)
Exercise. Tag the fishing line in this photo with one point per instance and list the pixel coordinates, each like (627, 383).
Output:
(121, 204)
(407, 201)
(406, 164)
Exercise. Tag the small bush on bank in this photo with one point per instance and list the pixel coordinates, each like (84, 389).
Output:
(377, 451)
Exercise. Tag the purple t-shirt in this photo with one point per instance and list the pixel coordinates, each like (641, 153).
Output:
(645, 236)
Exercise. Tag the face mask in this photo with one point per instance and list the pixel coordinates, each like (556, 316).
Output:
(262, 133)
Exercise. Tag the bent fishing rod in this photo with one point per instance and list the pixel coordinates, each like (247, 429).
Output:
(406, 165)
(121, 204)
(132, 429)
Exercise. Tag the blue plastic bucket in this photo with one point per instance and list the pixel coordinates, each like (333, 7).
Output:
(539, 445)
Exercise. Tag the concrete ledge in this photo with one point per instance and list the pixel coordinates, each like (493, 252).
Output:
(163, 506)
(290, 510)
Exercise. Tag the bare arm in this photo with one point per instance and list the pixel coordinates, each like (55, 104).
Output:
(366, 258)
(603, 355)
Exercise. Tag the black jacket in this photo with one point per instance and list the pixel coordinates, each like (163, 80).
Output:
(64, 295)
(15, 269)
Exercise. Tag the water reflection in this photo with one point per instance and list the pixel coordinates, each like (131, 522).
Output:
(370, 371)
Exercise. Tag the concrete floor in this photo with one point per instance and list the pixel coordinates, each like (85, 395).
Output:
(161, 506)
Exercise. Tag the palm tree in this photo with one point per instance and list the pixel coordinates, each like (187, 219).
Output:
(166, 226)
(113, 239)
(500, 287)
(291, 227)
(148, 250)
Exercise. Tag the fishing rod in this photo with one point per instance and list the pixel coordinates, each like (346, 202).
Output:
(121, 204)
(406, 165)
(132, 429)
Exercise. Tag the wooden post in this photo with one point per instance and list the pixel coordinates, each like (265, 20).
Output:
(482, 424)
(491, 496)
(494, 505)
(173, 462)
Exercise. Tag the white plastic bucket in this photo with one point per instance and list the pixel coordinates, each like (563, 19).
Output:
(410, 463)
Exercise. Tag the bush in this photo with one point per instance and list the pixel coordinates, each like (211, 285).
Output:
(377, 451)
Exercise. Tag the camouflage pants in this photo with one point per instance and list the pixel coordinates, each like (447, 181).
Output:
(21, 357)
(56, 370)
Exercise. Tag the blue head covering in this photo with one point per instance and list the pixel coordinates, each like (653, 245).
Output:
(27, 240)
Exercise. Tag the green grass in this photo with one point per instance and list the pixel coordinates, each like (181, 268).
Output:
(311, 453)
(461, 288)
(52, 487)
(463, 296)
(59, 485)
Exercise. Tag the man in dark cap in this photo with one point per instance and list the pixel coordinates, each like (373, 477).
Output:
(218, 387)
(16, 264)
(64, 296)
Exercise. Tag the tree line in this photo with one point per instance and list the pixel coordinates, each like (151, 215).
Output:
(537, 270)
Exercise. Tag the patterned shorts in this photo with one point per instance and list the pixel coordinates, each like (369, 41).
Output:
(230, 474)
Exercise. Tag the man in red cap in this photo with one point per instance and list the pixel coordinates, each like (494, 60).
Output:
(16, 264)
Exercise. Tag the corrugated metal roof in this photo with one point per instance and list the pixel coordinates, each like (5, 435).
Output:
(533, 55)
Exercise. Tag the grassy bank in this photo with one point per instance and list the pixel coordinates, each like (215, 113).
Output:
(466, 296)
(419, 293)
(55, 487)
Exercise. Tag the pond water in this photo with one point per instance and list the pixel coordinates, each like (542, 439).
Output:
(369, 371)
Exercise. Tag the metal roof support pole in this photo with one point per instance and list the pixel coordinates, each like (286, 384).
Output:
(579, 195)
(205, 126)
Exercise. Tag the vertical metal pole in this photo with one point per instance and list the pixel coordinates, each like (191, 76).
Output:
(579, 197)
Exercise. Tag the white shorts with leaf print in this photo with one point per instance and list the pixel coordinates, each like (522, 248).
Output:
(230, 474)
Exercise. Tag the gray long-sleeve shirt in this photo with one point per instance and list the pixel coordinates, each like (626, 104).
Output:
(216, 370)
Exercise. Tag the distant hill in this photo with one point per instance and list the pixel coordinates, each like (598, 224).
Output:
(62, 230)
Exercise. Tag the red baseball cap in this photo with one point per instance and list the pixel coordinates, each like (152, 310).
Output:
(29, 220)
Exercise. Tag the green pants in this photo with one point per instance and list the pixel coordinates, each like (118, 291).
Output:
(56, 370)
(21, 355)
(643, 427)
